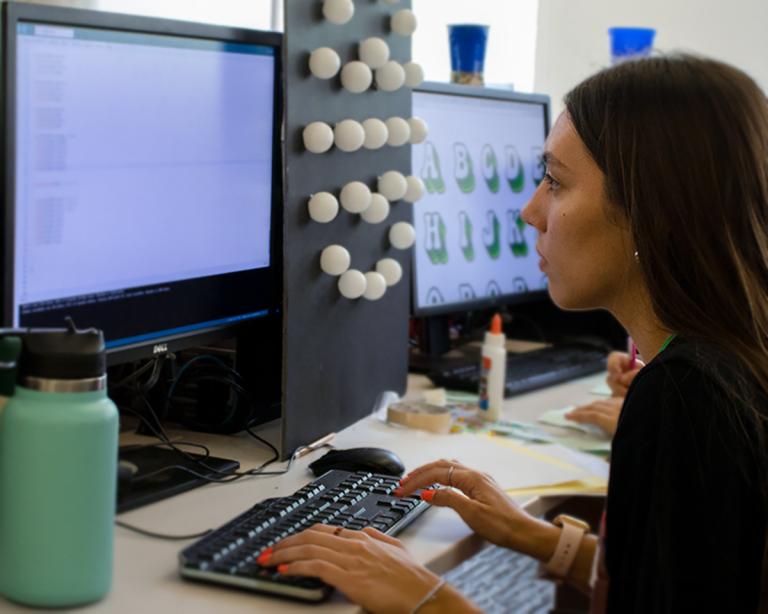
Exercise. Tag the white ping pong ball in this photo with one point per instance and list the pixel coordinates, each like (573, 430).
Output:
(419, 130)
(390, 269)
(324, 63)
(338, 11)
(376, 133)
(414, 74)
(355, 197)
(375, 286)
(378, 210)
(374, 51)
(334, 260)
(392, 185)
(352, 284)
(349, 135)
(323, 207)
(318, 137)
(356, 77)
(402, 235)
(390, 77)
(404, 22)
(415, 189)
(399, 131)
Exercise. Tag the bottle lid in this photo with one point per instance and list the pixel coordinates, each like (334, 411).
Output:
(495, 335)
(62, 353)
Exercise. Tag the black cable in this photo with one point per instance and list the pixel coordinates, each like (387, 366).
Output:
(125, 525)
(229, 476)
(235, 382)
(163, 436)
(155, 375)
(133, 376)
(141, 446)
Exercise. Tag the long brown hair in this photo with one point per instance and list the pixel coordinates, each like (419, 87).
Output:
(683, 143)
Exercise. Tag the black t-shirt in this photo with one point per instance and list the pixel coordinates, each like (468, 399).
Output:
(685, 519)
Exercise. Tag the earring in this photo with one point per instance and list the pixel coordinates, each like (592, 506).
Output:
(637, 256)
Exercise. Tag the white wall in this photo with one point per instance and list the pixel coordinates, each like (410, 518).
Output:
(573, 42)
(243, 13)
(511, 38)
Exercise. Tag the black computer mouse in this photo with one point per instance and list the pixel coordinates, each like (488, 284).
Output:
(375, 460)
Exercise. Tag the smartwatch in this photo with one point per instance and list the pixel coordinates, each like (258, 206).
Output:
(573, 531)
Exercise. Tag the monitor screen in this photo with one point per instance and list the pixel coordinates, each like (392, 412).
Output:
(480, 164)
(142, 178)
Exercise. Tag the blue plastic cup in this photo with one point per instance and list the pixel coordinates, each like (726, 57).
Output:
(628, 43)
(467, 42)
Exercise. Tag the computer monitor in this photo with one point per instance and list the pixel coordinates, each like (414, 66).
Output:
(480, 164)
(141, 176)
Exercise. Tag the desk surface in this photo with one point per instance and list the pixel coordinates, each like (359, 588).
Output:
(146, 577)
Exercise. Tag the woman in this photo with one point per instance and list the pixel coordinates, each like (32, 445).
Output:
(655, 207)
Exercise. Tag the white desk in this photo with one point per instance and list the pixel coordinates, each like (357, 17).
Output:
(146, 579)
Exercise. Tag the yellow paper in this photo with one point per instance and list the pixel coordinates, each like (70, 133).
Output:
(585, 486)
(534, 454)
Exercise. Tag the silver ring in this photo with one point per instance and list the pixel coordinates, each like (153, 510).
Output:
(450, 476)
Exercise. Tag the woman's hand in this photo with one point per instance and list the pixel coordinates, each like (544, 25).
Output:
(621, 373)
(370, 568)
(603, 413)
(484, 506)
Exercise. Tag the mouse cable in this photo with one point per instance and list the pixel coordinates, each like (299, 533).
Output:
(146, 533)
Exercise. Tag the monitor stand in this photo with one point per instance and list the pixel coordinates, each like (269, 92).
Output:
(436, 351)
(468, 353)
(133, 493)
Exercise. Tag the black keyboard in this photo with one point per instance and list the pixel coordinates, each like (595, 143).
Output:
(529, 371)
(341, 498)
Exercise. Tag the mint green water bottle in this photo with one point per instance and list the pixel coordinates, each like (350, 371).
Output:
(58, 457)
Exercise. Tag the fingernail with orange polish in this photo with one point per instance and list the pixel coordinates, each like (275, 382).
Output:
(264, 557)
(282, 568)
(427, 495)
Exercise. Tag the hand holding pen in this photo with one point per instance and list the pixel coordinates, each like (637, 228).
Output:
(622, 369)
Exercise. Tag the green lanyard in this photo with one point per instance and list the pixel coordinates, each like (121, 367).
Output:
(667, 341)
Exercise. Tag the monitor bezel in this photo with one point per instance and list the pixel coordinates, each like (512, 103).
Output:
(487, 93)
(12, 14)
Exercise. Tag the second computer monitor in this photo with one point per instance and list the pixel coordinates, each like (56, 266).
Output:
(480, 164)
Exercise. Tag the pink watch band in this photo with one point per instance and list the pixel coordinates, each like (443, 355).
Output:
(566, 550)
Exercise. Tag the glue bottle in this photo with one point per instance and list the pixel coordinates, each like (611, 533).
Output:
(493, 371)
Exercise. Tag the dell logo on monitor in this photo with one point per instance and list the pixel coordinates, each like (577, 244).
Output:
(160, 348)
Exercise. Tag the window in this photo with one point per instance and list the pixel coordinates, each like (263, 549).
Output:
(254, 14)
(510, 57)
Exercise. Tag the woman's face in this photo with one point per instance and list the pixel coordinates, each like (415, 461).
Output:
(584, 243)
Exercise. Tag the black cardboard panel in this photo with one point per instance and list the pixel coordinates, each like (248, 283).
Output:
(340, 354)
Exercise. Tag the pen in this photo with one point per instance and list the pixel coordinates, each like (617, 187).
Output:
(318, 443)
(632, 354)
